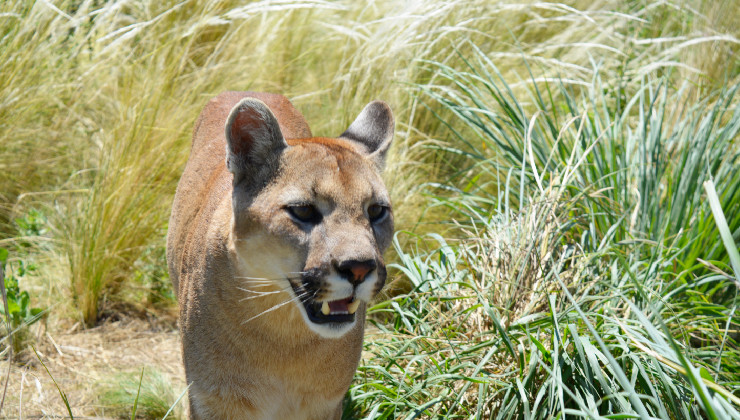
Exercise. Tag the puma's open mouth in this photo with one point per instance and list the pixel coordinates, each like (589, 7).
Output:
(337, 311)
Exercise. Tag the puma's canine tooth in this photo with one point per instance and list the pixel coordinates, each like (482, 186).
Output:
(325, 308)
(352, 306)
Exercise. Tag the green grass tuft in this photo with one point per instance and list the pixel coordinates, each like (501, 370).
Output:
(147, 395)
(583, 284)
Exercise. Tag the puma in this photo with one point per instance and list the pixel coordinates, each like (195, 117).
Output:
(275, 247)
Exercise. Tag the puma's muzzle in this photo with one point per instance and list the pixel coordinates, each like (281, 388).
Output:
(334, 295)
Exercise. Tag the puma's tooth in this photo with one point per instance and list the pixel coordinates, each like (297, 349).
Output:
(325, 308)
(352, 306)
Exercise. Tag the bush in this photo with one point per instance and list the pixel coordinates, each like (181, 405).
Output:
(19, 314)
(588, 279)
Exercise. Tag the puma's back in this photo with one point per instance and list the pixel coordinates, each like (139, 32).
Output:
(274, 248)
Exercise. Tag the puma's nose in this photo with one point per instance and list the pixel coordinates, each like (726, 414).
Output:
(355, 271)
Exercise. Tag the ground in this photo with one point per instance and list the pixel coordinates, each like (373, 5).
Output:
(84, 361)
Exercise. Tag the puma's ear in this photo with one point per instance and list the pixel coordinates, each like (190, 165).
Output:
(254, 141)
(373, 129)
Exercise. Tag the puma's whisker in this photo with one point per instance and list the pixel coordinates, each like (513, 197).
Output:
(259, 284)
(259, 278)
(260, 293)
(280, 305)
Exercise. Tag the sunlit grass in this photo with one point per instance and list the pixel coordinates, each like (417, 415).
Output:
(590, 186)
(98, 100)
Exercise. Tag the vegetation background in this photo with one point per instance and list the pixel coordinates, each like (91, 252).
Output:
(565, 179)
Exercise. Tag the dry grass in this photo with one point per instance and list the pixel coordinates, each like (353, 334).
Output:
(84, 364)
(97, 100)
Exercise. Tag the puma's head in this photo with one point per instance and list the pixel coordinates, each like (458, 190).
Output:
(311, 217)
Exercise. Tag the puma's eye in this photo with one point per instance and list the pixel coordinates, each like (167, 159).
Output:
(305, 213)
(376, 212)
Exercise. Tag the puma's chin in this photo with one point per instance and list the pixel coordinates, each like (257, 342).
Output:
(328, 319)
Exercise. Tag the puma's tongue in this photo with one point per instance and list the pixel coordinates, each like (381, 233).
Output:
(339, 306)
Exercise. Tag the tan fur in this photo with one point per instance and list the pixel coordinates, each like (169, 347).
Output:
(249, 350)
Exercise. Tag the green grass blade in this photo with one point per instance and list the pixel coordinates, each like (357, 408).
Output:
(724, 230)
(138, 392)
(177, 401)
(61, 393)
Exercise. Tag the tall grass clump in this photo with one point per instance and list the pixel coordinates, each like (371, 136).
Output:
(33, 117)
(98, 99)
(590, 281)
